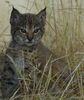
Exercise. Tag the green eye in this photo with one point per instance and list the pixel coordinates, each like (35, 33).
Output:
(22, 30)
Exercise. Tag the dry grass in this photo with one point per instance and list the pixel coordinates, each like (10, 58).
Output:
(64, 36)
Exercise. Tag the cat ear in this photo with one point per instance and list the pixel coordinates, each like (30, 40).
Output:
(15, 16)
(42, 15)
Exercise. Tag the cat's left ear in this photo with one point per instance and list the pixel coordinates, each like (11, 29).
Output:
(42, 15)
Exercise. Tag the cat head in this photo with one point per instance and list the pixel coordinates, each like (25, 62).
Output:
(27, 29)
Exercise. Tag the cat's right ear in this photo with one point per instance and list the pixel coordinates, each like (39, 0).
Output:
(15, 17)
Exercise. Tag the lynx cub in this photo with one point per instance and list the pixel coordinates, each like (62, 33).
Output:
(26, 50)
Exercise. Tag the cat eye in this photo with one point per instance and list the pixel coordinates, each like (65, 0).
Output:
(36, 30)
(22, 30)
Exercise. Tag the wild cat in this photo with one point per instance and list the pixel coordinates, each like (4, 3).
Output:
(26, 49)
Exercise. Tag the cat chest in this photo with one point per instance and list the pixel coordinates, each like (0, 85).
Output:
(25, 59)
(31, 57)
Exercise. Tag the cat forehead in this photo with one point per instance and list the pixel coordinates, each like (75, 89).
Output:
(30, 19)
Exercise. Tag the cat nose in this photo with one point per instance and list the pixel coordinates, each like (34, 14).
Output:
(29, 38)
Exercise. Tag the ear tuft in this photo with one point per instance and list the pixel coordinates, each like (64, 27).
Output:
(15, 10)
(44, 10)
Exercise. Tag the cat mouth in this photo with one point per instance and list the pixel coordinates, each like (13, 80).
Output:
(29, 44)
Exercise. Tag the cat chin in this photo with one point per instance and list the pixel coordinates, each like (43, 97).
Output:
(30, 44)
